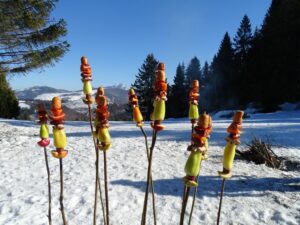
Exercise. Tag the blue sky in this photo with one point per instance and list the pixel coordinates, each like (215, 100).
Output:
(117, 35)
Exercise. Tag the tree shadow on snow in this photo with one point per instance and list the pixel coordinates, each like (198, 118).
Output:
(19, 123)
(170, 135)
(210, 186)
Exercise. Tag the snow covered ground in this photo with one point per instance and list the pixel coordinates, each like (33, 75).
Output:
(255, 195)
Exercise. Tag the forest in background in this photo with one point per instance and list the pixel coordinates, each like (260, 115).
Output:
(258, 68)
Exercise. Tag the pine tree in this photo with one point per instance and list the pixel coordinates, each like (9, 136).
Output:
(29, 37)
(193, 71)
(178, 99)
(242, 44)
(222, 76)
(205, 74)
(275, 55)
(205, 88)
(8, 102)
(143, 85)
(242, 41)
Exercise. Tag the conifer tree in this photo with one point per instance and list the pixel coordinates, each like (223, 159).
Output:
(143, 85)
(8, 102)
(222, 75)
(29, 37)
(193, 71)
(178, 99)
(275, 55)
(242, 43)
(205, 73)
(205, 88)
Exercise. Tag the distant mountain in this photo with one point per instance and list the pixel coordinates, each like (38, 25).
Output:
(116, 94)
(72, 100)
(32, 92)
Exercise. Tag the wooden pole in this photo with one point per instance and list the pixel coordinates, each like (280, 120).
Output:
(144, 215)
(61, 199)
(106, 188)
(96, 187)
(49, 186)
(194, 200)
(152, 183)
(97, 179)
(220, 204)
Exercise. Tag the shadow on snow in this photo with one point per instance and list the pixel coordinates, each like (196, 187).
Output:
(210, 186)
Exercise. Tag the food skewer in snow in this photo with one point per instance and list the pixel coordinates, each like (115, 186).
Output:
(233, 140)
(86, 74)
(193, 164)
(42, 121)
(160, 89)
(193, 102)
(103, 137)
(59, 135)
(44, 142)
(60, 142)
(86, 78)
(136, 112)
(204, 157)
(158, 115)
(138, 118)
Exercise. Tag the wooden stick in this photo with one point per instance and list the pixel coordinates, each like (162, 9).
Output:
(194, 200)
(144, 215)
(106, 188)
(62, 192)
(97, 179)
(221, 198)
(96, 187)
(185, 198)
(49, 186)
(152, 183)
(182, 204)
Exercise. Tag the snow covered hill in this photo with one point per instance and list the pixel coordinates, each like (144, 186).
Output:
(28, 98)
(116, 94)
(255, 195)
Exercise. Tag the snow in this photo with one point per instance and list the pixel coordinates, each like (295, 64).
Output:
(23, 105)
(287, 106)
(256, 194)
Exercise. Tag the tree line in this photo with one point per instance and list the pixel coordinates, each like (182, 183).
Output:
(258, 68)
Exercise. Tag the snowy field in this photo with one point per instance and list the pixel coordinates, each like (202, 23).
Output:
(255, 195)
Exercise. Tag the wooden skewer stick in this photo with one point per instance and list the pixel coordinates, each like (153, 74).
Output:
(144, 215)
(221, 199)
(151, 180)
(60, 142)
(158, 115)
(233, 140)
(86, 75)
(97, 182)
(138, 118)
(103, 137)
(194, 200)
(61, 198)
(106, 187)
(49, 186)
(185, 198)
(44, 142)
(193, 164)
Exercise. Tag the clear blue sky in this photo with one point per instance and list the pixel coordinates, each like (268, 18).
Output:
(117, 35)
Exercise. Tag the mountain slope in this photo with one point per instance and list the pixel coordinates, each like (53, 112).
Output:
(72, 100)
